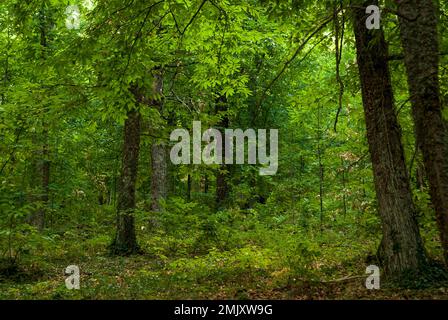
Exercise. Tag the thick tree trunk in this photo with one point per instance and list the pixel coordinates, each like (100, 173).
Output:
(125, 241)
(419, 37)
(401, 248)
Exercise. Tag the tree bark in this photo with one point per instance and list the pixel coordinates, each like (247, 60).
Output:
(222, 176)
(401, 248)
(159, 152)
(344, 186)
(125, 241)
(419, 37)
(45, 174)
(189, 187)
(321, 168)
(205, 183)
(37, 219)
(159, 178)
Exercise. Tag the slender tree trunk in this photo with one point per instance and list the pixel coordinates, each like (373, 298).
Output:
(419, 37)
(344, 187)
(222, 176)
(125, 241)
(172, 177)
(321, 168)
(159, 183)
(45, 173)
(43, 166)
(321, 194)
(159, 153)
(189, 187)
(205, 184)
(401, 248)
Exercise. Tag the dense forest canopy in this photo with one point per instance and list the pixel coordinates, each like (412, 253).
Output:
(92, 91)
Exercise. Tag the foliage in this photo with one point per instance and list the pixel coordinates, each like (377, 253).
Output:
(63, 102)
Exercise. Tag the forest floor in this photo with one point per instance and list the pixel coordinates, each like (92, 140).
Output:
(136, 278)
(165, 272)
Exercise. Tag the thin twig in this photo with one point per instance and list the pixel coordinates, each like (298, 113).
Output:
(193, 17)
(339, 47)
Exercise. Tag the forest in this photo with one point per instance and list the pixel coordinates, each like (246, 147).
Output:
(223, 149)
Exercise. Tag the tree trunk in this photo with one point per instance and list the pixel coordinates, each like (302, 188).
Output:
(419, 37)
(205, 183)
(401, 248)
(125, 240)
(222, 186)
(42, 176)
(344, 187)
(45, 174)
(321, 168)
(189, 187)
(37, 219)
(222, 176)
(159, 153)
(159, 182)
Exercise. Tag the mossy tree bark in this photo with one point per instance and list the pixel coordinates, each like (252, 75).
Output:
(125, 241)
(419, 37)
(401, 249)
